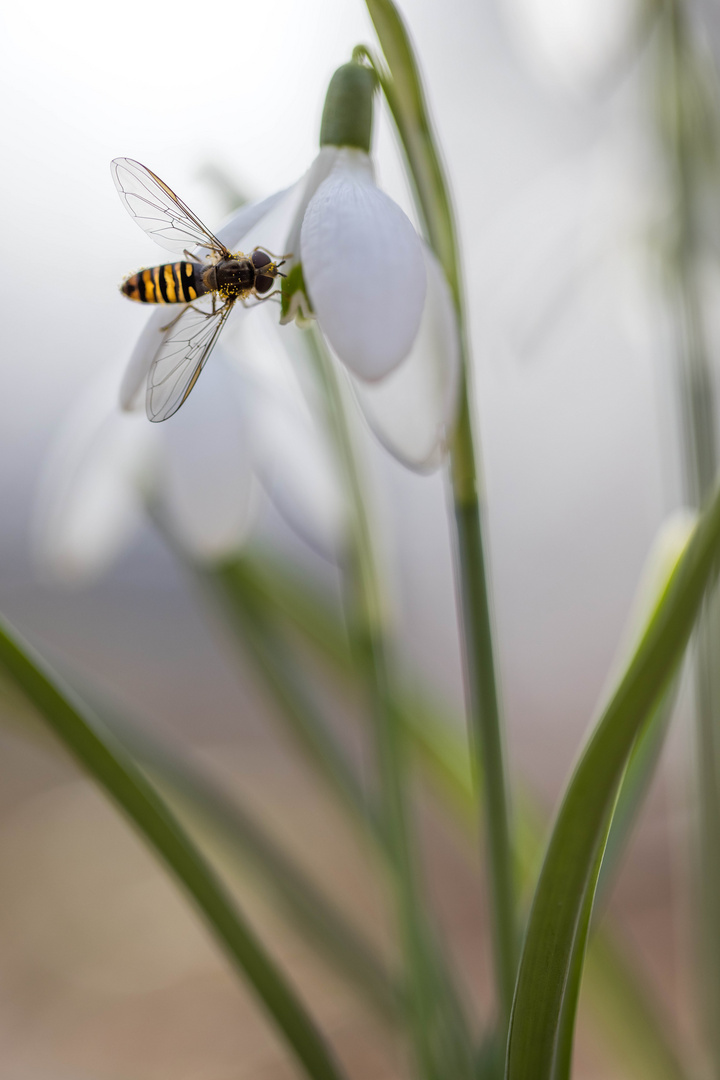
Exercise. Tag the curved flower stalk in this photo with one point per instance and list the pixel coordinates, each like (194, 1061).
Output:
(198, 472)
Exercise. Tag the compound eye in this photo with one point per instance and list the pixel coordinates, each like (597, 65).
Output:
(263, 282)
(259, 259)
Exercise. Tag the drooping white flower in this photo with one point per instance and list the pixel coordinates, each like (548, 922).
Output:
(198, 474)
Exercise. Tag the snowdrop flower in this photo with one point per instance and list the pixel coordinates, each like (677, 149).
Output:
(357, 262)
(357, 265)
(378, 293)
(199, 473)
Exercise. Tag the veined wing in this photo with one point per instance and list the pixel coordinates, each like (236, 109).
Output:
(181, 356)
(158, 210)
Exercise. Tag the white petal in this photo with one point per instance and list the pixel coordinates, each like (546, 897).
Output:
(319, 171)
(205, 483)
(413, 410)
(132, 385)
(89, 504)
(289, 454)
(363, 266)
(272, 214)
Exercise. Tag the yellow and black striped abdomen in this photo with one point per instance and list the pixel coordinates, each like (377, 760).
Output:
(171, 283)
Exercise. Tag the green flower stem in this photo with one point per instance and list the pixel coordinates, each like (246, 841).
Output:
(688, 130)
(403, 90)
(484, 711)
(367, 634)
(118, 776)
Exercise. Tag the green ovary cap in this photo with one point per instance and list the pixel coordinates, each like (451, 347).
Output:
(348, 113)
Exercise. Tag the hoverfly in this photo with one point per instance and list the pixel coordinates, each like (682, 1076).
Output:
(208, 282)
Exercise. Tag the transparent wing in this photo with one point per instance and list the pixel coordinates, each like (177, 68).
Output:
(181, 356)
(157, 209)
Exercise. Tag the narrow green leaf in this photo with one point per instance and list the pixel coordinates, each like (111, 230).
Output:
(393, 37)
(114, 771)
(635, 783)
(633, 788)
(577, 841)
(404, 93)
(562, 1062)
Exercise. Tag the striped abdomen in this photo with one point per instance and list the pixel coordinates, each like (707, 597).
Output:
(172, 283)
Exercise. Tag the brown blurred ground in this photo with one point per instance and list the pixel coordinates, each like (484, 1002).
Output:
(106, 971)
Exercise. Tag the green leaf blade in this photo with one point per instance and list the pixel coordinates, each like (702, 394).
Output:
(117, 775)
(569, 874)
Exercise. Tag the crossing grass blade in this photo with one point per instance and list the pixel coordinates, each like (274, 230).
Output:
(633, 788)
(115, 772)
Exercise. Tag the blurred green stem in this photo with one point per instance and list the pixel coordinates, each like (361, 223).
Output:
(686, 106)
(404, 92)
(486, 728)
(367, 633)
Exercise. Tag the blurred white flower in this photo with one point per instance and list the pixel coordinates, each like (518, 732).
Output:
(89, 503)
(574, 43)
(198, 473)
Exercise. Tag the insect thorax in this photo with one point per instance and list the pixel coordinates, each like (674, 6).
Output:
(230, 277)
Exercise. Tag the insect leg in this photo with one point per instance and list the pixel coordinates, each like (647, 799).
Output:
(173, 321)
(188, 307)
(270, 253)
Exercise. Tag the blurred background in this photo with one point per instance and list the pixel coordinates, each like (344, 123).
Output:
(546, 115)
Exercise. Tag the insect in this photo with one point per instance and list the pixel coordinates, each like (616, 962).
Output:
(208, 281)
